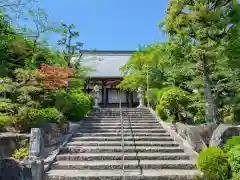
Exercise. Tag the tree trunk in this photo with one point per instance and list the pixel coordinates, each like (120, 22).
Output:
(211, 109)
(69, 57)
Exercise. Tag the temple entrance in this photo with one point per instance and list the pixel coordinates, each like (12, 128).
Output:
(115, 94)
(109, 94)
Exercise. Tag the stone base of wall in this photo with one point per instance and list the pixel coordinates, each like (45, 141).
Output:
(11, 141)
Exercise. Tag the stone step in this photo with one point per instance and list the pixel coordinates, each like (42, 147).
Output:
(106, 149)
(130, 108)
(118, 121)
(126, 138)
(83, 127)
(119, 127)
(124, 114)
(110, 134)
(118, 114)
(125, 130)
(95, 152)
(118, 117)
(130, 174)
(117, 110)
(136, 122)
(86, 123)
(123, 111)
(126, 143)
(118, 156)
(128, 164)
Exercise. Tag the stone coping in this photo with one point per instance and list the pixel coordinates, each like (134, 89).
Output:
(13, 134)
(182, 142)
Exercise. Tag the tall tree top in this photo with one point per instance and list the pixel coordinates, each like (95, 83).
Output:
(198, 19)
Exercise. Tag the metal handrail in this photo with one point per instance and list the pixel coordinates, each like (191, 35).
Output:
(134, 141)
(122, 137)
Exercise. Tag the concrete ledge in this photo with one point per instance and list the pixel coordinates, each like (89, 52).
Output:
(182, 142)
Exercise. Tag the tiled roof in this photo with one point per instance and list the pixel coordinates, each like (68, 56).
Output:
(105, 63)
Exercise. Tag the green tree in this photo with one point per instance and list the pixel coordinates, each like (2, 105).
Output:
(41, 23)
(201, 25)
(72, 50)
(14, 48)
(149, 58)
(72, 54)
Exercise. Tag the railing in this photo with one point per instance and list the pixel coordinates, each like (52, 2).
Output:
(133, 138)
(122, 137)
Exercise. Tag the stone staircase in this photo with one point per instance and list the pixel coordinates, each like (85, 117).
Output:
(95, 151)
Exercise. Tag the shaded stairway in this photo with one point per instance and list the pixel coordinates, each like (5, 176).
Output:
(95, 152)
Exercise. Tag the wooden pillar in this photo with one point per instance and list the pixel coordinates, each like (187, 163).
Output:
(130, 98)
(104, 94)
(127, 97)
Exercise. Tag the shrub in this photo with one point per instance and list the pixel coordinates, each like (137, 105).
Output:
(52, 115)
(6, 106)
(175, 101)
(196, 107)
(213, 163)
(28, 118)
(78, 106)
(235, 140)
(60, 98)
(21, 153)
(5, 120)
(234, 159)
(228, 119)
(152, 96)
(144, 100)
(236, 176)
(73, 105)
(199, 177)
(198, 118)
(161, 112)
(76, 91)
(236, 112)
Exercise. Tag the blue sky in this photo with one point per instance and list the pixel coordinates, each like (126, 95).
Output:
(110, 24)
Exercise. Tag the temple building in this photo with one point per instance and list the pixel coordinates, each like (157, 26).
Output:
(104, 71)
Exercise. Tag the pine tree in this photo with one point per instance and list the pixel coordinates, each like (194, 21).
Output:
(203, 26)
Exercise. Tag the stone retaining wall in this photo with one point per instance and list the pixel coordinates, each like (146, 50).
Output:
(11, 141)
(52, 136)
(202, 135)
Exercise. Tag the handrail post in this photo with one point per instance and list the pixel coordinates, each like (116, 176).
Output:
(122, 137)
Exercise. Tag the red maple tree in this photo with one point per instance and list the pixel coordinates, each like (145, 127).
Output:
(55, 77)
